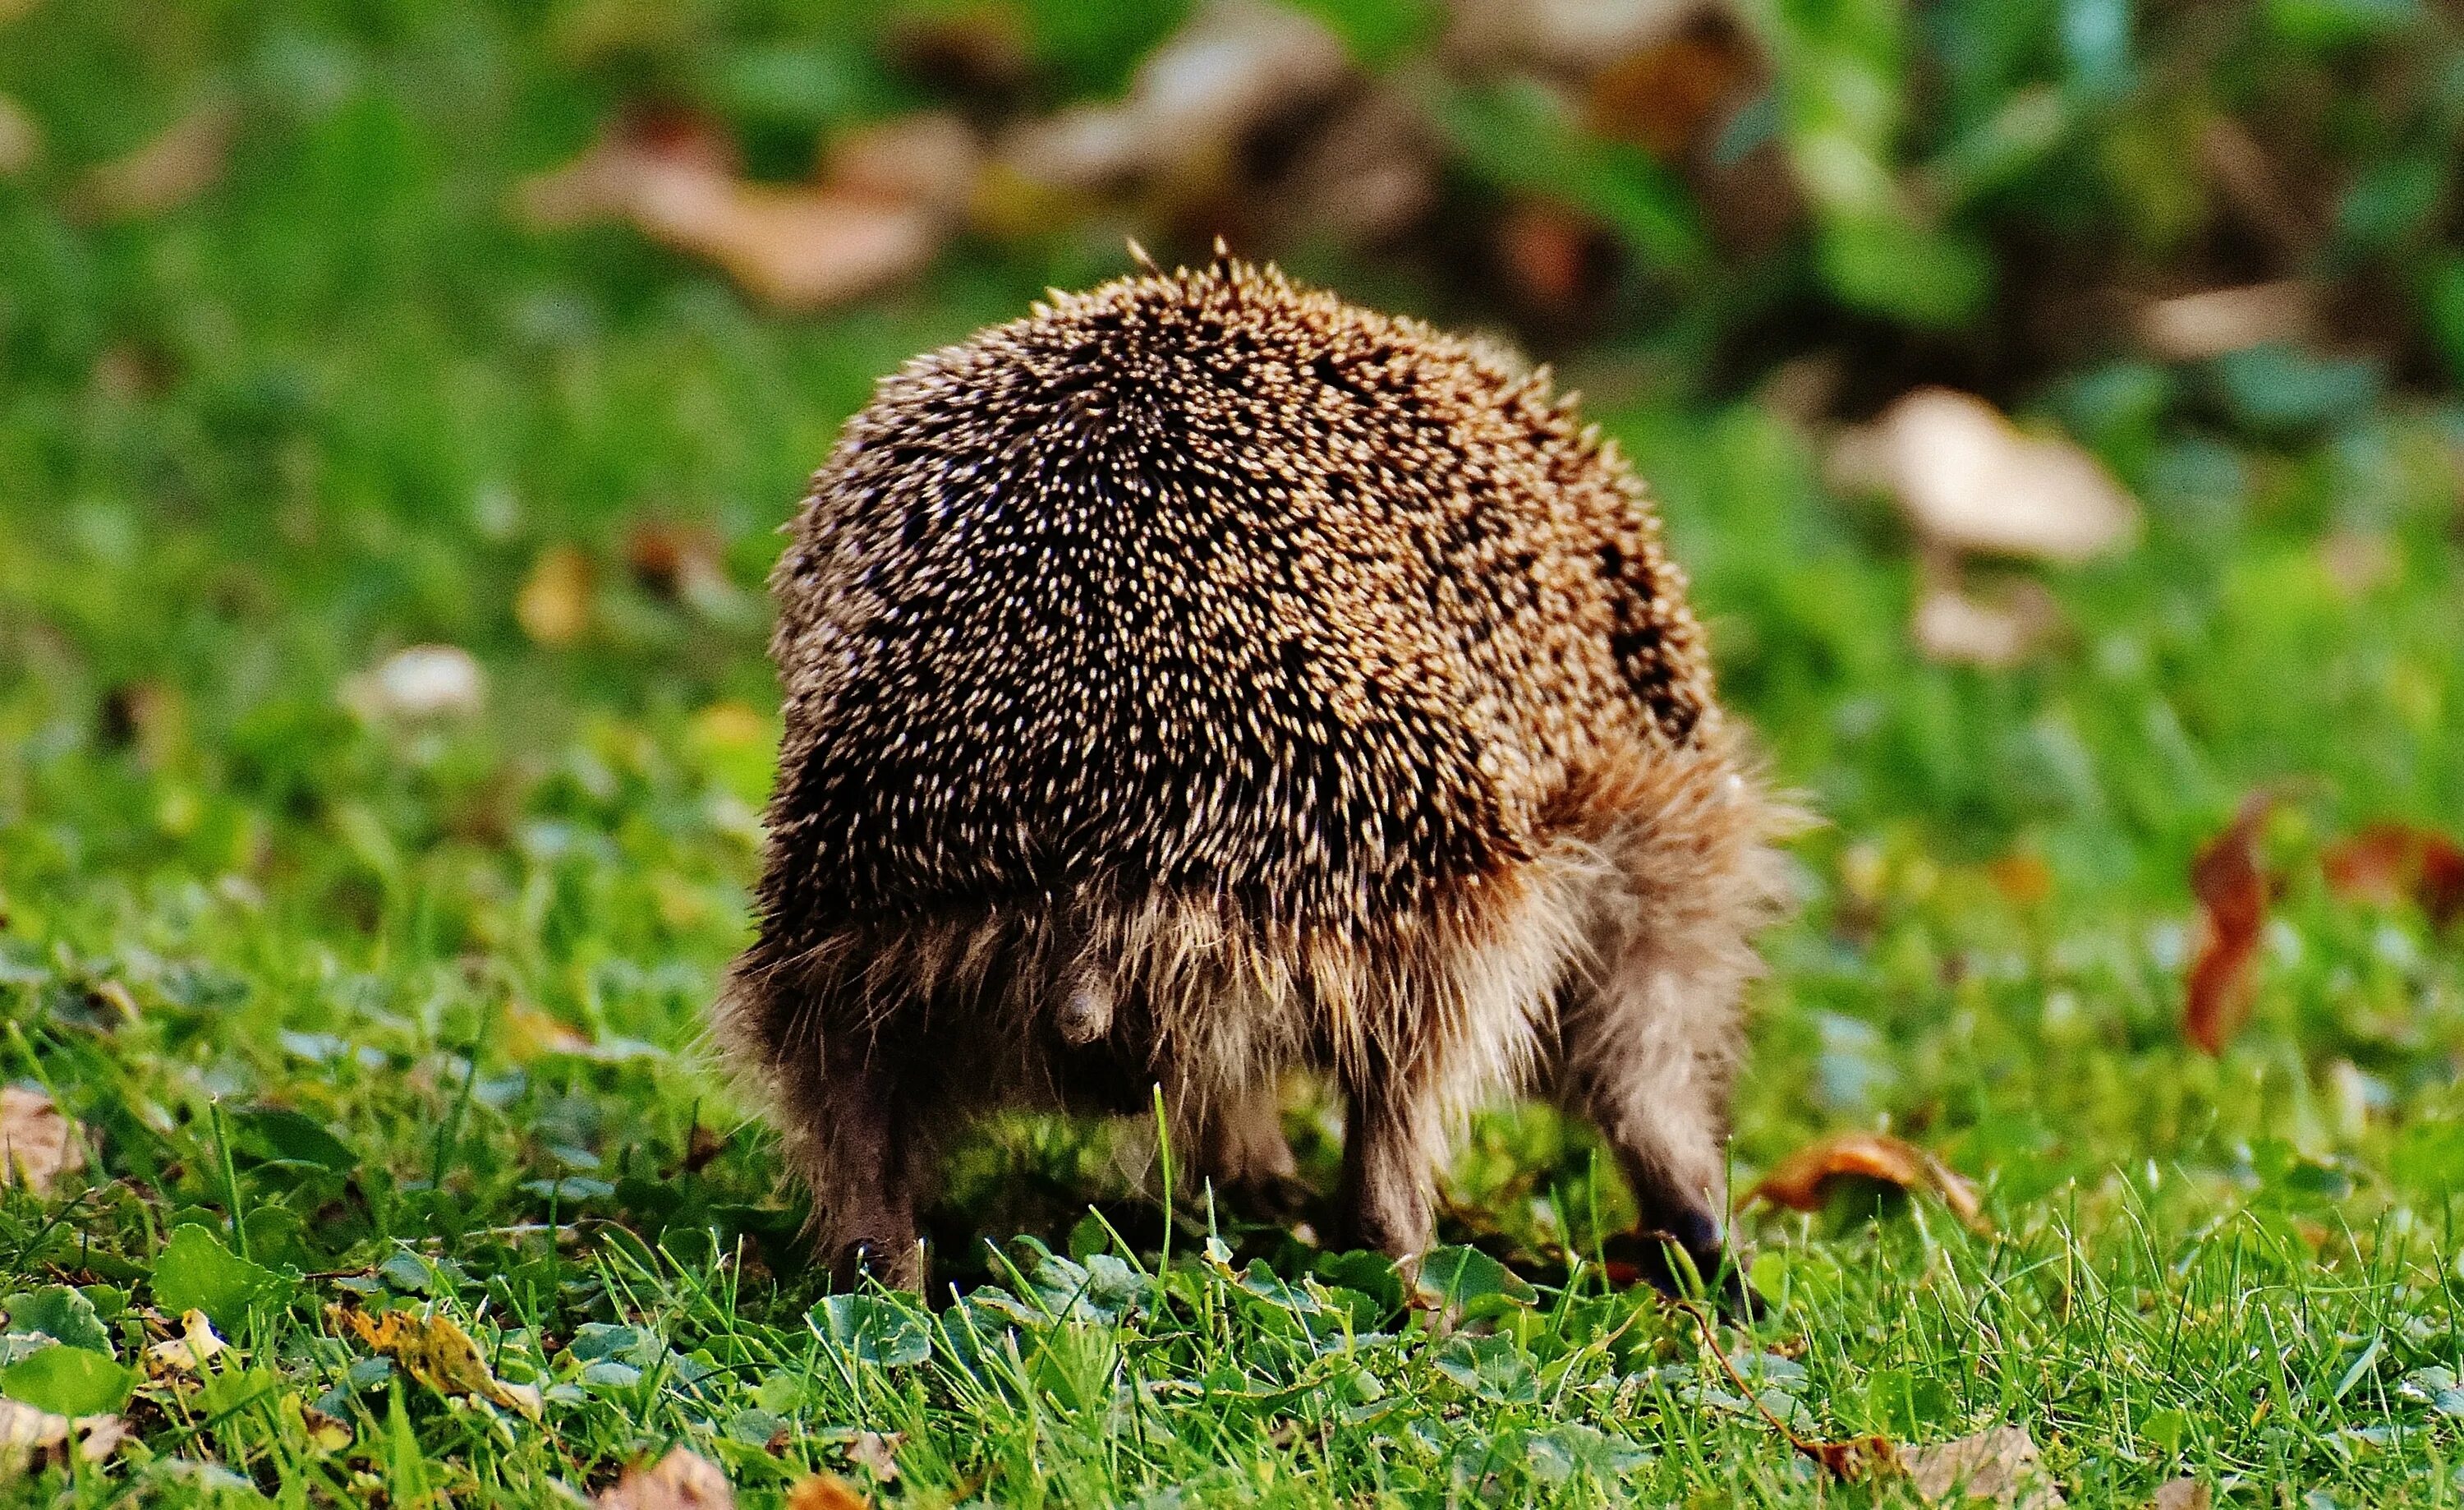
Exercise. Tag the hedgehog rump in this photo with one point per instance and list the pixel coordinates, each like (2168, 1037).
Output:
(1203, 678)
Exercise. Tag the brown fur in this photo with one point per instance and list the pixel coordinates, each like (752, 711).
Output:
(1204, 681)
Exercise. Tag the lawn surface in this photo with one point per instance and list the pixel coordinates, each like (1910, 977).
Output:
(356, 1012)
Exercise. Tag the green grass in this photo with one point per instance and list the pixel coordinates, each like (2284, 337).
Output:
(298, 976)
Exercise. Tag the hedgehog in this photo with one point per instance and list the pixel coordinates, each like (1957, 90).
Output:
(1202, 681)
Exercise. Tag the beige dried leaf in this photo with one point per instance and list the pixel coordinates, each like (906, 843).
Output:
(554, 603)
(1971, 481)
(434, 1350)
(682, 1481)
(423, 682)
(825, 1492)
(1999, 1466)
(2195, 327)
(182, 162)
(20, 142)
(876, 1453)
(1955, 625)
(1231, 68)
(36, 1143)
(796, 247)
(927, 160)
(2183, 1494)
(26, 1432)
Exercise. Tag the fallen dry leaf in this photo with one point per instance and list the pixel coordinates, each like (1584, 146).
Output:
(425, 681)
(1969, 481)
(2000, 1465)
(1802, 1181)
(184, 160)
(799, 247)
(825, 1492)
(1550, 255)
(876, 1453)
(1575, 36)
(36, 1146)
(1665, 96)
(2195, 327)
(1956, 626)
(2183, 1494)
(438, 1353)
(531, 1033)
(929, 159)
(187, 1352)
(2232, 890)
(682, 1481)
(2021, 876)
(2359, 562)
(554, 603)
(2390, 862)
(26, 1432)
(20, 143)
(1230, 69)
(680, 563)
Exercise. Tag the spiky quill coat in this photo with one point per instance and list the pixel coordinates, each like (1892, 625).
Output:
(1201, 678)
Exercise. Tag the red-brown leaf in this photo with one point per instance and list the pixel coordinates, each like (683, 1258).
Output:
(2388, 862)
(1803, 1179)
(2232, 890)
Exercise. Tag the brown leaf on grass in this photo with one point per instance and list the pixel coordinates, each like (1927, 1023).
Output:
(2233, 893)
(2183, 1494)
(1571, 36)
(554, 603)
(1551, 257)
(438, 1353)
(2195, 327)
(1971, 481)
(928, 159)
(1236, 65)
(2388, 863)
(2000, 1466)
(1663, 98)
(1960, 627)
(26, 1433)
(876, 1453)
(825, 1492)
(1802, 1181)
(2359, 562)
(799, 247)
(531, 1033)
(20, 143)
(2022, 877)
(37, 1145)
(682, 1481)
(420, 683)
(184, 160)
(680, 563)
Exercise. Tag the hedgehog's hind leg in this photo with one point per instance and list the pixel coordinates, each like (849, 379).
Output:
(862, 1154)
(1393, 1138)
(1648, 1048)
(846, 1103)
(1241, 1147)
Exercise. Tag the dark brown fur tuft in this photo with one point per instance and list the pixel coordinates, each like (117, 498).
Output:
(1202, 678)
